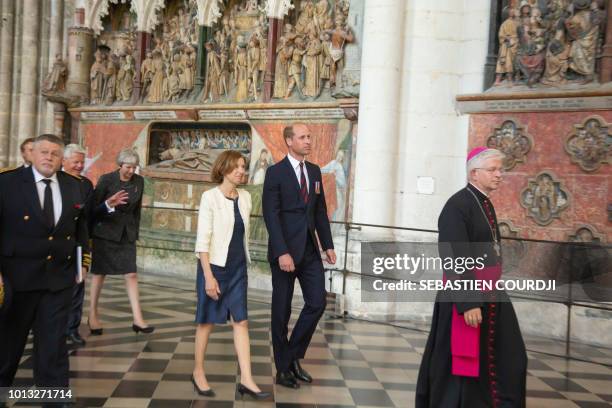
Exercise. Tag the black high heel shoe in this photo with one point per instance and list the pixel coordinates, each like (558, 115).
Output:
(205, 393)
(145, 330)
(94, 332)
(256, 395)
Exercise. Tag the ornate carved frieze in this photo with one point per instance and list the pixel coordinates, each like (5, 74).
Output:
(513, 141)
(544, 198)
(178, 152)
(550, 43)
(589, 144)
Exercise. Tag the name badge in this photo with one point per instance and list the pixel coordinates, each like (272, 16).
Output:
(317, 187)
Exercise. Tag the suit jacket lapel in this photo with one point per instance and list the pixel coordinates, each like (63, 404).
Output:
(31, 193)
(311, 182)
(291, 172)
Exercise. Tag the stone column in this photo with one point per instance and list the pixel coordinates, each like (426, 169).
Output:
(142, 43)
(493, 48)
(205, 35)
(606, 56)
(6, 78)
(80, 57)
(59, 116)
(29, 80)
(273, 35)
(379, 112)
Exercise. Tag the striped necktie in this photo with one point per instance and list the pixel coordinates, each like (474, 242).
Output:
(303, 187)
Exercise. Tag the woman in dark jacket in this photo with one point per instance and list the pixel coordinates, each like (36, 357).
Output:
(114, 238)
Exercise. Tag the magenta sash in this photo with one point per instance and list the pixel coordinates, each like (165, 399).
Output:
(465, 340)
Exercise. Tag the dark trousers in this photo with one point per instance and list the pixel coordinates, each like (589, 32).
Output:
(76, 308)
(312, 281)
(46, 313)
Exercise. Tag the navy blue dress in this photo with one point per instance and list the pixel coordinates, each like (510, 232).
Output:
(232, 281)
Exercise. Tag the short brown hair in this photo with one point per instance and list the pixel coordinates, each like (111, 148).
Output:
(225, 164)
(288, 132)
(25, 142)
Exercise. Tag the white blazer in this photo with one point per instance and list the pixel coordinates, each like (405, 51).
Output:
(216, 224)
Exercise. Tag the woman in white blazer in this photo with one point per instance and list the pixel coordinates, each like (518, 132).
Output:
(222, 246)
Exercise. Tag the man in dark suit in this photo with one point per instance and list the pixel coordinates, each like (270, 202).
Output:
(295, 213)
(42, 221)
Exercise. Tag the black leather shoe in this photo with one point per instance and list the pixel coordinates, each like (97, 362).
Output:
(146, 330)
(76, 339)
(94, 332)
(299, 372)
(205, 393)
(287, 379)
(261, 395)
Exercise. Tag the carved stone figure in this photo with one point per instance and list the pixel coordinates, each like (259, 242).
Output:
(305, 22)
(339, 37)
(326, 58)
(213, 74)
(253, 60)
(508, 47)
(557, 63)
(186, 77)
(56, 79)
(284, 53)
(532, 47)
(589, 145)
(125, 78)
(173, 88)
(544, 198)
(146, 73)
(242, 73)
(584, 35)
(312, 85)
(510, 139)
(295, 67)
(97, 77)
(156, 91)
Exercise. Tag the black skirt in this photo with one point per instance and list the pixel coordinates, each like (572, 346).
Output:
(113, 258)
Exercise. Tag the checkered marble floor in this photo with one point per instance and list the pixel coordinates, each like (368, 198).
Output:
(354, 363)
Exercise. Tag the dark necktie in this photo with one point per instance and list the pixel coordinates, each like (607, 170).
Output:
(48, 204)
(303, 187)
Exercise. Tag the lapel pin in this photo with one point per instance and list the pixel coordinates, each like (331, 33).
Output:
(27, 217)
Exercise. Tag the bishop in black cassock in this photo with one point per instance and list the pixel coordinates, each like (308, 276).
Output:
(475, 355)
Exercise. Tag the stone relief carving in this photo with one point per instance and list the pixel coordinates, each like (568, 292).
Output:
(511, 140)
(550, 42)
(55, 81)
(586, 233)
(194, 150)
(589, 144)
(544, 198)
(310, 53)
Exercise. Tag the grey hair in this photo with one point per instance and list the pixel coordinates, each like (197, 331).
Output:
(128, 156)
(479, 160)
(73, 148)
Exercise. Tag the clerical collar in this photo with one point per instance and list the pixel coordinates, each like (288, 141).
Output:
(478, 191)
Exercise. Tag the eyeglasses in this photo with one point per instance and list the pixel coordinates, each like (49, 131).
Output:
(491, 169)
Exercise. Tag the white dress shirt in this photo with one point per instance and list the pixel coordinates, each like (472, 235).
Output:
(296, 167)
(55, 190)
